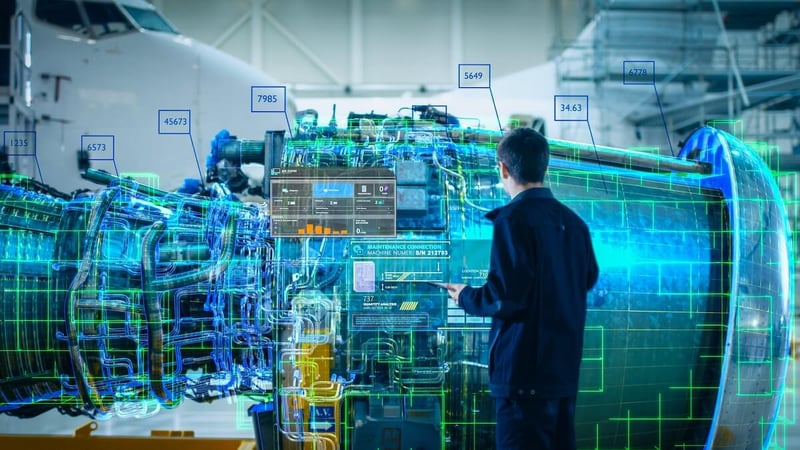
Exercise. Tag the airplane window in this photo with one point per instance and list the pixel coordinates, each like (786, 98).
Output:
(149, 19)
(61, 13)
(106, 18)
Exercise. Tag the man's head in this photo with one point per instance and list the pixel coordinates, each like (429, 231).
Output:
(523, 155)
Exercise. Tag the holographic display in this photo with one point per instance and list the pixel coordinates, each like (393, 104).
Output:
(133, 299)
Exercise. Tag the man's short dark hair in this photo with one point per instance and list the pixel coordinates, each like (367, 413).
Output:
(525, 153)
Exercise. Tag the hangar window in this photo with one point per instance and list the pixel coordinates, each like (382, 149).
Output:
(61, 13)
(106, 18)
(149, 19)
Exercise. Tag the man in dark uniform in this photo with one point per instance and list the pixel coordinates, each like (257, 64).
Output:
(542, 265)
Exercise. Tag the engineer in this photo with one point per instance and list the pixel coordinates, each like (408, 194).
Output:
(541, 267)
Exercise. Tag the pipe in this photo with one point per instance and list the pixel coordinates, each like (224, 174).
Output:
(210, 273)
(152, 316)
(88, 394)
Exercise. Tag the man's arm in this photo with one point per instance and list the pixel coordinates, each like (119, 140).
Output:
(510, 279)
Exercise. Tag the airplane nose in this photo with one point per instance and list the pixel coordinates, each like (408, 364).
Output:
(228, 94)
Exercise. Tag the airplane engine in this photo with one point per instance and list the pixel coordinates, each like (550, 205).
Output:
(118, 302)
(114, 301)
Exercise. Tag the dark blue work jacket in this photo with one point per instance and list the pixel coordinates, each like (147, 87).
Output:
(542, 265)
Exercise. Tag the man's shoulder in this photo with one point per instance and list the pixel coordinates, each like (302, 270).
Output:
(570, 213)
(532, 209)
(574, 217)
(532, 205)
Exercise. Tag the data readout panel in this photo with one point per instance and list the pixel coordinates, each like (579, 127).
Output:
(333, 202)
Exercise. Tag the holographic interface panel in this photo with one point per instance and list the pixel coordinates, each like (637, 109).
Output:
(134, 299)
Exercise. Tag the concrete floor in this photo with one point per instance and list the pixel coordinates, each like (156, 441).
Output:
(228, 418)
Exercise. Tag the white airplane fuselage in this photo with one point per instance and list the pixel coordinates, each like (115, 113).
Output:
(84, 86)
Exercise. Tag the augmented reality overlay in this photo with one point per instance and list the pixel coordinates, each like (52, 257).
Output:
(132, 299)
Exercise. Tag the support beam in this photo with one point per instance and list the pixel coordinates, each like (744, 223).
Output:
(256, 34)
(731, 55)
(303, 49)
(231, 30)
(456, 36)
(356, 41)
(556, 19)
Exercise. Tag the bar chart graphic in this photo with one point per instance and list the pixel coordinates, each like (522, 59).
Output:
(341, 202)
(311, 229)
